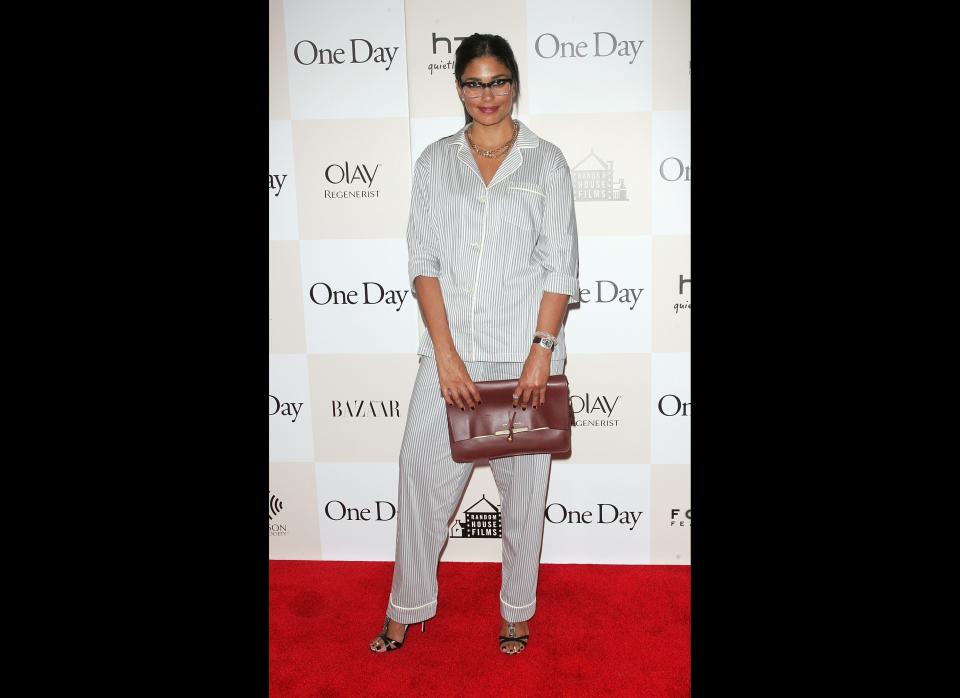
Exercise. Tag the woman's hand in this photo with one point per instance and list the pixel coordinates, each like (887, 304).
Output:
(455, 384)
(532, 386)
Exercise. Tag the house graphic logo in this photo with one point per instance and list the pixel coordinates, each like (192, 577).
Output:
(593, 180)
(482, 520)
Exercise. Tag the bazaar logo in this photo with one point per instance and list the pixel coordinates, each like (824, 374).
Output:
(322, 293)
(306, 52)
(276, 183)
(481, 520)
(592, 180)
(365, 408)
(604, 44)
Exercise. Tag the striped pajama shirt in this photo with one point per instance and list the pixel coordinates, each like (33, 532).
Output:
(495, 250)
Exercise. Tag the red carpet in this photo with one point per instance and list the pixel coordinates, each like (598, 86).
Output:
(599, 630)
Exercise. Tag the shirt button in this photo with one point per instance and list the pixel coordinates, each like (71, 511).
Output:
(475, 245)
(483, 199)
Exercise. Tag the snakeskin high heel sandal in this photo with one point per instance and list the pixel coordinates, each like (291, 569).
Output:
(388, 644)
(512, 630)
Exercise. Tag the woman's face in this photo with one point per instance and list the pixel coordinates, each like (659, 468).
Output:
(487, 108)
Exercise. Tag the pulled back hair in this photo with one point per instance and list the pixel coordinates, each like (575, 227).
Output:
(477, 45)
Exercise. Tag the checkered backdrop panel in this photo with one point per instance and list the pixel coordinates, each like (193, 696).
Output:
(357, 91)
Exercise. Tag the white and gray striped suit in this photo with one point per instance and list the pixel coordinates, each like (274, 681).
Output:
(495, 250)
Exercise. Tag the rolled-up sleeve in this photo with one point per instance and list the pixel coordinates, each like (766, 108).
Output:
(556, 248)
(423, 255)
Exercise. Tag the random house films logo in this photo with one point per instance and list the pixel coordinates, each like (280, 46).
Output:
(593, 180)
(276, 529)
(480, 520)
(370, 293)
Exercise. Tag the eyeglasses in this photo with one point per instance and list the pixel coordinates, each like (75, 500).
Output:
(474, 88)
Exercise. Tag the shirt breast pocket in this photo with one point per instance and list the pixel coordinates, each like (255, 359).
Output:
(523, 207)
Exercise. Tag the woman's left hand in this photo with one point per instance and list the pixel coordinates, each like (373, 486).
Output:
(532, 387)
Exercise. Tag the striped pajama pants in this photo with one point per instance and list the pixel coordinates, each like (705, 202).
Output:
(431, 485)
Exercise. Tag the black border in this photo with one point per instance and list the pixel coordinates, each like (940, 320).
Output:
(765, 256)
(188, 300)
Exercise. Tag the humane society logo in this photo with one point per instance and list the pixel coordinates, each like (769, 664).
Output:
(274, 509)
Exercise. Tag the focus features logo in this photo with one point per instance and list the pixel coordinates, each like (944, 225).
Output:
(598, 408)
(355, 175)
(276, 183)
(442, 65)
(365, 408)
(682, 304)
(275, 506)
(592, 180)
(605, 513)
(481, 520)
(671, 406)
(284, 409)
(306, 52)
(335, 510)
(610, 291)
(672, 169)
(679, 517)
(322, 293)
(603, 44)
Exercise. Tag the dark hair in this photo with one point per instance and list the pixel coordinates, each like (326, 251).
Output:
(477, 45)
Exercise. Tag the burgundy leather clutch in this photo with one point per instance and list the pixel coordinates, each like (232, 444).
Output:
(496, 429)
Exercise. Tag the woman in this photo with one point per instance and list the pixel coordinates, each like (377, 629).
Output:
(492, 242)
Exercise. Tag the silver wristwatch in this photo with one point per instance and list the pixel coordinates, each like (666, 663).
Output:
(545, 342)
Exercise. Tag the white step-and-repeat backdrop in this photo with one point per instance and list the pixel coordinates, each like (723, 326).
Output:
(357, 90)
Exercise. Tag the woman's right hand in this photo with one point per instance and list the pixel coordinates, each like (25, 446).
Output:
(455, 384)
